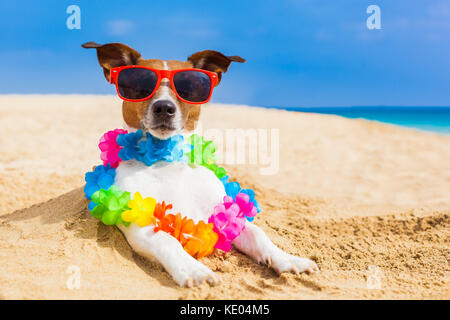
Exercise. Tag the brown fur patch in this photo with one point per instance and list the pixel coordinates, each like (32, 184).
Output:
(213, 61)
(175, 64)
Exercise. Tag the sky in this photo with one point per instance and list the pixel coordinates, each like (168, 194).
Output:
(300, 53)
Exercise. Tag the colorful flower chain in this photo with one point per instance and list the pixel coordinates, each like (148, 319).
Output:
(114, 206)
(149, 150)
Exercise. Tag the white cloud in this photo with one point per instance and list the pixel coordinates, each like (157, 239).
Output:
(120, 27)
(441, 9)
(184, 24)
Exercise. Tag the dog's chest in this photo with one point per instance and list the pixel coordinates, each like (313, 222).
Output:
(193, 191)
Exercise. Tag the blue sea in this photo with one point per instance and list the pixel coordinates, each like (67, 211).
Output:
(436, 119)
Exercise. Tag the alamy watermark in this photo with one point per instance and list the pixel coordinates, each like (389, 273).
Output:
(74, 279)
(374, 277)
(374, 20)
(259, 147)
(74, 19)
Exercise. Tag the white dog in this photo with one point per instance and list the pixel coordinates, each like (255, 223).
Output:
(193, 190)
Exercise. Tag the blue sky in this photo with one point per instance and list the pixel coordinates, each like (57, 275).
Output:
(299, 52)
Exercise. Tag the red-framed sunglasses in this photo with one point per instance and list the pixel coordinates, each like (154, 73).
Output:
(139, 83)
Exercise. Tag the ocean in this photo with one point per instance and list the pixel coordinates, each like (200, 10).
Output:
(436, 119)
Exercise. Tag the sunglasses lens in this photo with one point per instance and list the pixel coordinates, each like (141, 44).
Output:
(136, 83)
(193, 86)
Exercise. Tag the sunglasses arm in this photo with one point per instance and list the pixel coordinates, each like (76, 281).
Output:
(113, 75)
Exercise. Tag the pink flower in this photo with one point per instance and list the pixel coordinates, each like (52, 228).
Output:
(246, 207)
(109, 147)
(228, 223)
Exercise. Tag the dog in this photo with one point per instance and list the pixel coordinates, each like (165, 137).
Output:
(193, 190)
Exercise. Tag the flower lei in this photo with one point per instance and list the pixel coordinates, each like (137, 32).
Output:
(114, 206)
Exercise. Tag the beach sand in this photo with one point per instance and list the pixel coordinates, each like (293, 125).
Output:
(363, 199)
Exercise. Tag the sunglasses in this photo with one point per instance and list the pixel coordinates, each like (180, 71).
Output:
(139, 83)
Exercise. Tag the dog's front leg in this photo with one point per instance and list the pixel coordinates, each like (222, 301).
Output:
(256, 244)
(185, 270)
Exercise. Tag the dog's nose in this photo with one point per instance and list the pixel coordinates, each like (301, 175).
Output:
(164, 109)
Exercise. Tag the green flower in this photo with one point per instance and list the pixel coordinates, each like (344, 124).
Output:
(218, 171)
(110, 205)
(202, 152)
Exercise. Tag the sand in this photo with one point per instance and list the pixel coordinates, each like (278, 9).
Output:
(364, 200)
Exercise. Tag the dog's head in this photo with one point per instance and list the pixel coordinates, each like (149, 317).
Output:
(163, 115)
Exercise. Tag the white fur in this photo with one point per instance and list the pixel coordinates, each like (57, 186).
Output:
(185, 270)
(256, 244)
(163, 91)
(193, 191)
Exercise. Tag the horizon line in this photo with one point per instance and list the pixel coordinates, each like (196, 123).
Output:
(386, 106)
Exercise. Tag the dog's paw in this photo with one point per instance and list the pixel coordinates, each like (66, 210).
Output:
(285, 262)
(191, 272)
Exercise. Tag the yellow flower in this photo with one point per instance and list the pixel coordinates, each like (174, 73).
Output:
(141, 210)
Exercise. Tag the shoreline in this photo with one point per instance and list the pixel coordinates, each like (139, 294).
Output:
(325, 110)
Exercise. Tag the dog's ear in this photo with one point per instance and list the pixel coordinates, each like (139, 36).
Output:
(113, 55)
(213, 61)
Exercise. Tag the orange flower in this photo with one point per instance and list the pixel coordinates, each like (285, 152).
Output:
(165, 223)
(176, 226)
(161, 209)
(187, 228)
(197, 239)
(202, 241)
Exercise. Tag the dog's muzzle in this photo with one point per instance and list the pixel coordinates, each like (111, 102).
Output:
(163, 114)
